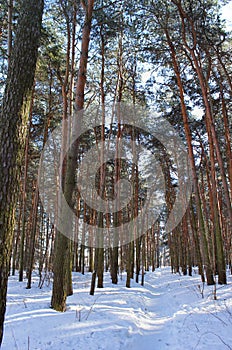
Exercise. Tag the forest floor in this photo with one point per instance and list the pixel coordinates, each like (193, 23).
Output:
(168, 312)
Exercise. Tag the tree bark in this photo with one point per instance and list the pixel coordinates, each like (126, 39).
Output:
(14, 117)
(9, 34)
(62, 246)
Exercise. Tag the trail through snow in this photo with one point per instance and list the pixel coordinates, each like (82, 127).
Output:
(167, 313)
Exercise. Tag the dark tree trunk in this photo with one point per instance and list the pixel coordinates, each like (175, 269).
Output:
(14, 118)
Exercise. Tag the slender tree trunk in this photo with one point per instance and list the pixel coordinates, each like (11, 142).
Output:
(210, 124)
(227, 138)
(24, 196)
(209, 272)
(33, 235)
(129, 248)
(61, 263)
(143, 259)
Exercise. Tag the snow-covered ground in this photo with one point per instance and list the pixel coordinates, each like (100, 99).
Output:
(167, 313)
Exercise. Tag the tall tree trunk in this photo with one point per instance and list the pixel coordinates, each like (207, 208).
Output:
(203, 81)
(13, 121)
(209, 272)
(227, 138)
(61, 254)
(24, 196)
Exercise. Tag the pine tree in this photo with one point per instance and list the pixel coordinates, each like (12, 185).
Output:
(14, 116)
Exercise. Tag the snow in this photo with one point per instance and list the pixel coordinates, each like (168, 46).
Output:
(168, 312)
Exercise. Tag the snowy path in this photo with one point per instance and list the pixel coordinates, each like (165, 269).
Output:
(167, 313)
